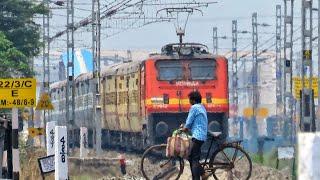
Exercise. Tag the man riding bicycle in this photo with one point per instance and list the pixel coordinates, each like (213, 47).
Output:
(197, 124)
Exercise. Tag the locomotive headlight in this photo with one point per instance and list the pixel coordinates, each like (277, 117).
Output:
(209, 98)
(214, 126)
(157, 100)
(162, 128)
(185, 51)
(166, 98)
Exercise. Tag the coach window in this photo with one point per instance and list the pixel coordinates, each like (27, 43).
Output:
(87, 86)
(70, 90)
(169, 70)
(127, 81)
(54, 94)
(62, 93)
(82, 89)
(202, 69)
(77, 91)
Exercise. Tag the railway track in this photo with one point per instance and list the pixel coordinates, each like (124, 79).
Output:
(107, 167)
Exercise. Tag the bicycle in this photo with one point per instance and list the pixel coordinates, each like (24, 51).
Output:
(223, 162)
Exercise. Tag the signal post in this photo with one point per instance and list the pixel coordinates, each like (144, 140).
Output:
(307, 111)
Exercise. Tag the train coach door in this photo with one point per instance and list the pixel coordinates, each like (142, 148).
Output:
(142, 94)
(128, 111)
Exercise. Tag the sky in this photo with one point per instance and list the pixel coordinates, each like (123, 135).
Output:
(199, 28)
(154, 36)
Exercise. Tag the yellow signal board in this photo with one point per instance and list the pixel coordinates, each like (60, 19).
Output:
(17, 93)
(297, 86)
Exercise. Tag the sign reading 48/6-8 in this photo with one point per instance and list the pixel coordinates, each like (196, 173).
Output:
(17, 93)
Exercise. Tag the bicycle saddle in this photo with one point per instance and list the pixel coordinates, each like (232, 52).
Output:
(214, 134)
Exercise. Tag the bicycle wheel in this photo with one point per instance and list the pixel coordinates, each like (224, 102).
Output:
(231, 162)
(155, 165)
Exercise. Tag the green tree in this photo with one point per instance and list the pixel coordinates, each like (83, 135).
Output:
(12, 61)
(20, 35)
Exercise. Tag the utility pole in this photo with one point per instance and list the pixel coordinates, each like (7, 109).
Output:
(287, 75)
(96, 44)
(46, 58)
(70, 101)
(215, 40)
(255, 95)
(235, 65)
(307, 121)
(318, 109)
(278, 61)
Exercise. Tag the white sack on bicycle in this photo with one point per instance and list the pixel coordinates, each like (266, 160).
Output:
(179, 144)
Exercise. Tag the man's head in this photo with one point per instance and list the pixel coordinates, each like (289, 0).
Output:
(195, 97)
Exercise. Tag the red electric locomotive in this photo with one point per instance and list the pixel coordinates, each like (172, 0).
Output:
(171, 76)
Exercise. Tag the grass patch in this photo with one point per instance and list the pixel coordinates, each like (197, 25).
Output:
(29, 162)
(270, 159)
(83, 177)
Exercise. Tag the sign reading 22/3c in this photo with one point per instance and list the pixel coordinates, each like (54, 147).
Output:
(17, 93)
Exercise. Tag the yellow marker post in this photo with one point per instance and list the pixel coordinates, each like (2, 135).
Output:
(33, 132)
(44, 102)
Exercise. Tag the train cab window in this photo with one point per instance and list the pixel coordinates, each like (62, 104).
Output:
(202, 69)
(170, 70)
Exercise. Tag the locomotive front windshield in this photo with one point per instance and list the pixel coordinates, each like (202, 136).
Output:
(169, 70)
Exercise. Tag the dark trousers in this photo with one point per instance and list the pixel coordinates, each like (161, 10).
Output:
(194, 159)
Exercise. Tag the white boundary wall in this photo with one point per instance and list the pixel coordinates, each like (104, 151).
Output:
(309, 156)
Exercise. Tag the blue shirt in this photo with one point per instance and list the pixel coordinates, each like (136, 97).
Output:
(197, 122)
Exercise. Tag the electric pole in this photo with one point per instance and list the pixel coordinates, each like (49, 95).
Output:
(96, 44)
(307, 121)
(235, 66)
(255, 95)
(287, 75)
(215, 40)
(46, 57)
(278, 61)
(318, 109)
(70, 101)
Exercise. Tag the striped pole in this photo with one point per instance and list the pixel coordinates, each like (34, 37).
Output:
(15, 144)
(6, 161)
(2, 135)
(4, 168)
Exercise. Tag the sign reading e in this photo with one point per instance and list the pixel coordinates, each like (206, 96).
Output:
(17, 93)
